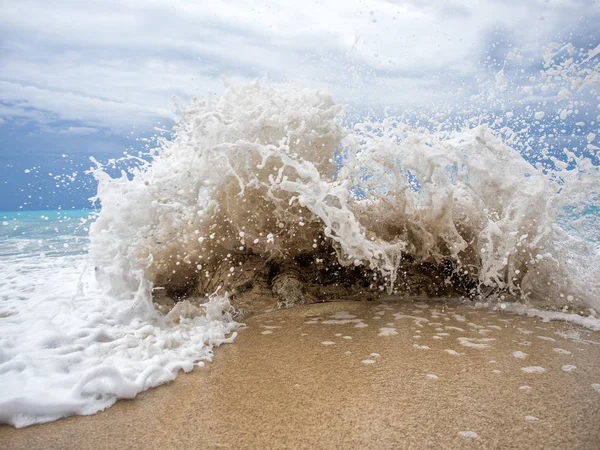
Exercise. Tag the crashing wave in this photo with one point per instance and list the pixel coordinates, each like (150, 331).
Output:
(263, 190)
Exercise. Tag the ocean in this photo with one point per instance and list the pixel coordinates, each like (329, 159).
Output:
(27, 234)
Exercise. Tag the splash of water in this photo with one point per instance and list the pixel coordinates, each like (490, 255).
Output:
(489, 201)
(270, 171)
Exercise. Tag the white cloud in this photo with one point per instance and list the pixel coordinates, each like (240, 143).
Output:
(118, 64)
(77, 131)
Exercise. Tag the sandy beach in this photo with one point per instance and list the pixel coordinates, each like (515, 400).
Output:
(364, 375)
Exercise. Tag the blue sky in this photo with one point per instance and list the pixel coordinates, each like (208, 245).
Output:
(82, 78)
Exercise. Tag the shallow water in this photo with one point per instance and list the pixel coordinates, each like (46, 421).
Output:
(26, 234)
(310, 377)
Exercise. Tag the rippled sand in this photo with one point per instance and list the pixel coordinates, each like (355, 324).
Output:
(365, 375)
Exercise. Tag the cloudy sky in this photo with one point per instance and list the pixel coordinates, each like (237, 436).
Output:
(80, 78)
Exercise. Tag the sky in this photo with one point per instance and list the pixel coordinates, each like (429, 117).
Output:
(95, 78)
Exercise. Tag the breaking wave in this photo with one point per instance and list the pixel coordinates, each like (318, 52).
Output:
(267, 178)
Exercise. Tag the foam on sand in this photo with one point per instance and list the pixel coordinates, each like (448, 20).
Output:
(387, 331)
(72, 351)
(533, 369)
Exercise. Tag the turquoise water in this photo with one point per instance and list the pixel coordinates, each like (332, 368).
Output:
(46, 233)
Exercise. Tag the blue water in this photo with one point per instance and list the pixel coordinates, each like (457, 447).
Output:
(45, 233)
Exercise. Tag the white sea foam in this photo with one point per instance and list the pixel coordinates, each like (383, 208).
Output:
(533, 369)
(475, 342)
(387, 331)
(562, 351)
(591, 322)
(68, 348)
(421, 347)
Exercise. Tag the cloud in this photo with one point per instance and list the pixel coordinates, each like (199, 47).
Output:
(64, 105)
(115, 65)
(76, 131)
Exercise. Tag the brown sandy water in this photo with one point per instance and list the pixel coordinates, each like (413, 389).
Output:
(316, 377)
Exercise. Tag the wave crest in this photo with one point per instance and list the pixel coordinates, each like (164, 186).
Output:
(265, 181)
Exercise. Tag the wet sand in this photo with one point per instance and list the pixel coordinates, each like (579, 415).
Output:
(364, 375)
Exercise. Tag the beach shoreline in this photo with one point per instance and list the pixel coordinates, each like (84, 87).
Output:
(364, 375)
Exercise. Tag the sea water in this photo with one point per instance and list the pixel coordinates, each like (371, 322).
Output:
(68, 348)
(279, 172)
